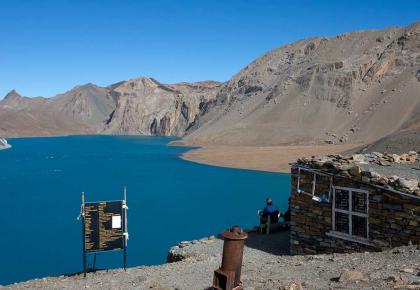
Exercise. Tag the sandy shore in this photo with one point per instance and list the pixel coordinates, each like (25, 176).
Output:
(268, 158)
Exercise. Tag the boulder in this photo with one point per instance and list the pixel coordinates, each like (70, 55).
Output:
(360, 158)
(395, 158)
(356, 171)
(411, 184)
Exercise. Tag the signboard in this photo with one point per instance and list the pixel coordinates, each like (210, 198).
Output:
(104, 227)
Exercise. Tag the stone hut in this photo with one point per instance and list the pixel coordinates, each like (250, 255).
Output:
(364, 202)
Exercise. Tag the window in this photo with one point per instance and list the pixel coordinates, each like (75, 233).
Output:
(350, 213)
(315, 184)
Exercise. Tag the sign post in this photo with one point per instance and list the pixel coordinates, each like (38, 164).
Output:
(125, 233)
(104, 227)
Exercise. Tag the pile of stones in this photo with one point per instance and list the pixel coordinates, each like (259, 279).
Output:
(353, 167)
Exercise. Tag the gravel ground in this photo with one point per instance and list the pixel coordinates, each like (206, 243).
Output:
(265, 266)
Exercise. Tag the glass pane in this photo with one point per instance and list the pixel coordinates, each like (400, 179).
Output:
(322, 187)
(359, 202)
(341, 222)
(342, 199)
(306, 181)
(359, 226)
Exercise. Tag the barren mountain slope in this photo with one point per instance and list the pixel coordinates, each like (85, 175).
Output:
(22, 116)
(353, 88)
(404, 140)
(87, 103)
(141, 107)
(147, 107)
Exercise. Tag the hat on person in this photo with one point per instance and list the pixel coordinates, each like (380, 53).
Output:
(269, 201)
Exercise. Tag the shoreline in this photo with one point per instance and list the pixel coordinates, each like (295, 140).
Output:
(273, 158)
(276, 158)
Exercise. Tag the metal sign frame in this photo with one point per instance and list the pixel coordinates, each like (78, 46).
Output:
(124, 232)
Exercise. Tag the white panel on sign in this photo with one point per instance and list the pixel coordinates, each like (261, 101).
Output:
(116, 221)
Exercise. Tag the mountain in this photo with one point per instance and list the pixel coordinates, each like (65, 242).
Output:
(357, 87)
(145, 106)
(361, 87)
(138, 107)
(82, 110)
(88, 103)
(405, 139)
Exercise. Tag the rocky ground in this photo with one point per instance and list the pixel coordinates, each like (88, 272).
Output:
(266, 265)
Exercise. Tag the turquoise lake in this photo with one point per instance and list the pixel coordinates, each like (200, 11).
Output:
(169, 200)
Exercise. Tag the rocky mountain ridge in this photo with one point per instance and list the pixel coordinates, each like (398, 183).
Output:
(145, 106)
(140, 106)
(356, 87)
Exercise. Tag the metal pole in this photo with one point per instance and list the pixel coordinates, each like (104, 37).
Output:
(125, 227)
(83, 233)
(94, 263)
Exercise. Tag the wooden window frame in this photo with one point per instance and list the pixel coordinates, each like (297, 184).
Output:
(312, 194)
(351, 213)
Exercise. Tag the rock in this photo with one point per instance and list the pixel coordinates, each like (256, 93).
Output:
(294, 285)
(392, 278)
(408, 270)
(183, 244)
(373, 174)
(384, 162)
(411, 184)
(348, 276)
(344, 167)
(356, 171)
(360, 158)
(206, 241)
(380, 244)
(395, 158)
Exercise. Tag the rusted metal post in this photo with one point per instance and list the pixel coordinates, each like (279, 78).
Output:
(228, 277)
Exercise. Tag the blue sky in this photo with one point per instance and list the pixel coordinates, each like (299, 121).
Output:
(49, 46)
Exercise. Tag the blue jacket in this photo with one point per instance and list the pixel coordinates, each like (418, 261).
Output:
(270, 209)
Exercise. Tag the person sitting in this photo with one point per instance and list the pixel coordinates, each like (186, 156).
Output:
(271, 211)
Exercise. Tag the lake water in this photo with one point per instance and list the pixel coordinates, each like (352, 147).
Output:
(169, 200)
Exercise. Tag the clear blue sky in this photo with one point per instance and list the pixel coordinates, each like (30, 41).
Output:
(50, 46)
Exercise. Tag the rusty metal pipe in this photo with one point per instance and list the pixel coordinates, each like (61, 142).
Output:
(233, 248)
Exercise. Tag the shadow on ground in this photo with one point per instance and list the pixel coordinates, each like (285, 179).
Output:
(277, 243)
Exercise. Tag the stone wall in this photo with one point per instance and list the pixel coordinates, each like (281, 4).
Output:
(394, 219)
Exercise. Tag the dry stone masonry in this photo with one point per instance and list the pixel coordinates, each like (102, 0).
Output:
(363, 202)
